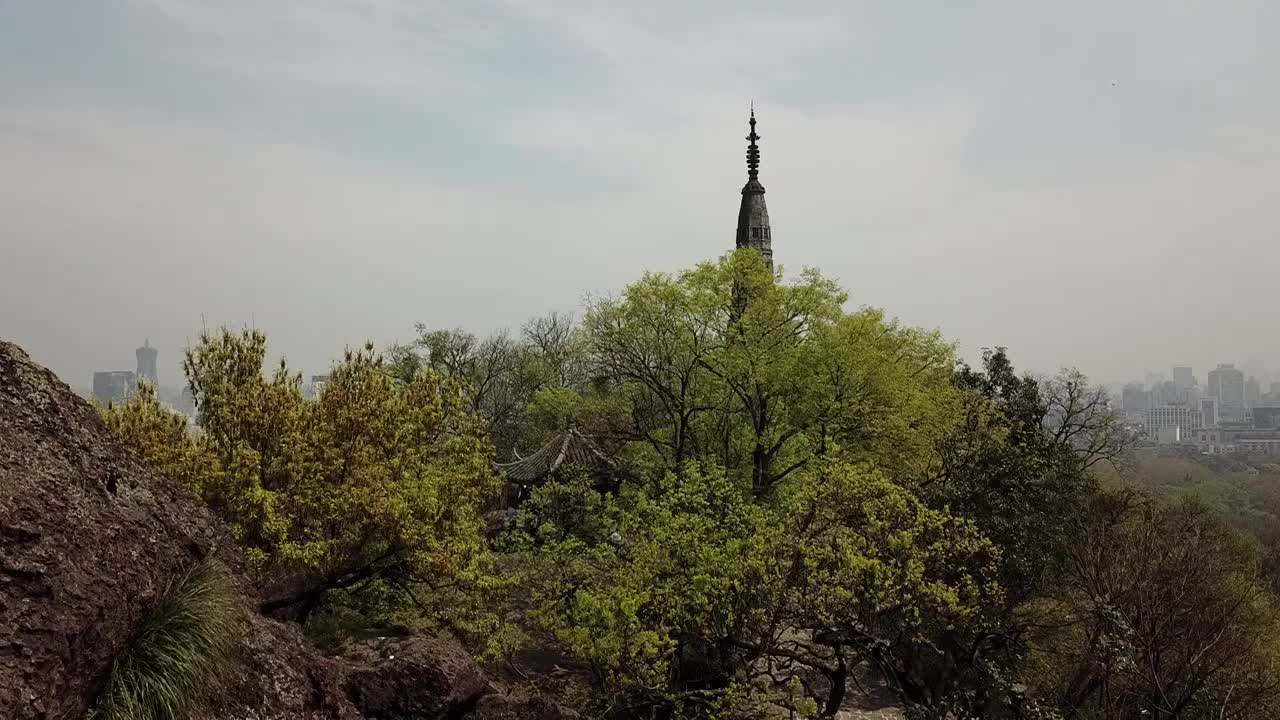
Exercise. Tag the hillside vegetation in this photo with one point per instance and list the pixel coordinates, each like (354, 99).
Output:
(802, 499)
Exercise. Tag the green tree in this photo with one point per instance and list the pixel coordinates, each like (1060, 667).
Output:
(1019, 464)
(768, 422)
(1163, 613)
(502, 376)
(724, 363)
(866, 573)
(378, 483)
(696, 594)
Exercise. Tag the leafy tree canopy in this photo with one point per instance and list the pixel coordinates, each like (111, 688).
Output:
(805, 495)
(377, 480)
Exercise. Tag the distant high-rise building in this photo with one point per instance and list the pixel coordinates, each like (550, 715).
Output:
(1193, 396)
(1252, 393)
(113, 386)
(147, 363)
(317, 385)
(1266, 417)
(1209, 412)
(1155, 394)
(1226, 383)
(1184, 378)
(1135, 398)
(1186, 418)
(1275, 388)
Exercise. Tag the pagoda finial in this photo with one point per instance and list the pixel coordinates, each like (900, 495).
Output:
(753, 150)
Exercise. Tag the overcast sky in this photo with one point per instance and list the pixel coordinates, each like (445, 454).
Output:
(1093, 183)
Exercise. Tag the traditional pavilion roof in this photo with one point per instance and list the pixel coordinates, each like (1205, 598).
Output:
(568, 447)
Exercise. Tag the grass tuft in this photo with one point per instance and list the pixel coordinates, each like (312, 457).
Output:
(177, 651)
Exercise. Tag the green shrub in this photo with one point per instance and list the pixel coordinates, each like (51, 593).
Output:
(177, 651)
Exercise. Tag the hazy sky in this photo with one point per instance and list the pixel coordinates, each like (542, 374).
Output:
(1092, 183)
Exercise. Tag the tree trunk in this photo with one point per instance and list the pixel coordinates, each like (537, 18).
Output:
(839, 686)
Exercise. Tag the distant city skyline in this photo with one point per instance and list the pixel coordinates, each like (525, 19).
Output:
(1265, 374)
(170, 361)
(1233, 410)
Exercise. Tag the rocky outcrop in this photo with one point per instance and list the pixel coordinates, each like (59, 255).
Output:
(412, 677)
(408, 678)
(88, 536)
(518, 706)
(279, 676)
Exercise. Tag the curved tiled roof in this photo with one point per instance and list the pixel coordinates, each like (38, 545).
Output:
(569, 447)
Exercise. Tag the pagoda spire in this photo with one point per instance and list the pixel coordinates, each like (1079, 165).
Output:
(753, 150)
(753, 216)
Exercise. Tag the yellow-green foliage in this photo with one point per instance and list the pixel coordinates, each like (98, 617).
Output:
(670, 570)
(724, 363)
(374, 474)
(162, 435)
(865, 552)
(776, 436)
(697, 561)
(177, 651)
(804, 492)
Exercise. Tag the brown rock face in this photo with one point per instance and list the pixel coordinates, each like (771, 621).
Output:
(412, 677)
(89, 534)
(279, 676)
(519, 706)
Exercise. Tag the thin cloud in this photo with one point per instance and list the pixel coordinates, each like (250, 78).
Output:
(375, 46)
(1088, 183)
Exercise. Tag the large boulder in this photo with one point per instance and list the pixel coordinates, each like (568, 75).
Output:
(519, 706)
(278, 675)
(89, 534)
(407, 678)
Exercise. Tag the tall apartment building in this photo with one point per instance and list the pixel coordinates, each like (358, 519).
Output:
(1193, 395)
(1226, 383)
(1166, 393)
(1135, 398)
(1252, 393)
(1209, 412)
(147, 363)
